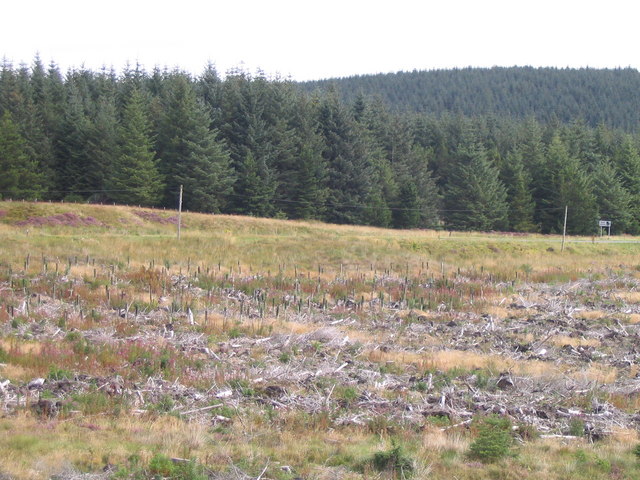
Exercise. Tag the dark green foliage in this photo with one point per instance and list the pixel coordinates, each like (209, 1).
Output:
(56, 374)
(570, 186)
(627, 160)
(376, 212)
(476, 199)
(308, 190)
(190, 152)
(636, 451)
(519, 195)
(610, 96)
(134, 177)
(162, 466)
(103, 149)
(256, 187)
(493, 441)
(613, 200)
(407, 213)
(20, 178)
(73, 159)
(165, 404)
(259, 146)
(576, 427)
(394, 461)
(349, 168)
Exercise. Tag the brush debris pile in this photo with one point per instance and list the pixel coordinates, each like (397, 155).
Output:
(366, 349)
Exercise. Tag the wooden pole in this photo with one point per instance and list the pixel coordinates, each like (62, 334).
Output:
(564, 230)
(179, 211)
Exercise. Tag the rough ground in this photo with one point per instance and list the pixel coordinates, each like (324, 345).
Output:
(559, 358)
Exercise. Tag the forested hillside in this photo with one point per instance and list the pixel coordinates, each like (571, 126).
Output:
(251, 145)
(611, 97)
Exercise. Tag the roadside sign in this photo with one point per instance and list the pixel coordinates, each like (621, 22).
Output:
(605, 224)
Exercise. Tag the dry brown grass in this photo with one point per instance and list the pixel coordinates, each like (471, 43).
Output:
(596, 372)
(34, 449)
(17, 373)
(591, 314)
(446, 360)
(311, 442)
(624, 401)
(501, 312)
(267, 243)
(561, 340)
(629, 297)
(435, 439)
(634, 318)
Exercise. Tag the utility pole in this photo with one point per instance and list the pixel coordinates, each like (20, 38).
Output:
(179, 211)
(564, 230)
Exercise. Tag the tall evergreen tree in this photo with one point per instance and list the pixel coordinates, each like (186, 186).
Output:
(256, 187)
(257, 183)
(613, 200)
(20, 178)
(627, 161)
(407, 212)
(379, 144)
(102, 148)
(570, 187)
(376, 212)
(519, 197)
(49, 97)
(134, 177)
(307, 177)
(72, 153)
(309, 193)
(191, 154)
(349, 171)
(532, 149)
(475, 198)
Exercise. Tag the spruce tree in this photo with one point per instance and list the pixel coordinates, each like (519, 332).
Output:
(613, 200)
(102, 148)
(20, 177)
(376, 211)
(71, 148)
(349, 170)
(256, 185)
(309, 193)
(134, 177)
(413, 167)
(307, 174)
(475, 198)
(17, 96)
(570, 187)
(627, 161)
(191, 154)
(519, 197)
(407, 212)
(378, 143)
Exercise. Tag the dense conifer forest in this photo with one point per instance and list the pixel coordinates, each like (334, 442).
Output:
(497, 149)
(595, 96)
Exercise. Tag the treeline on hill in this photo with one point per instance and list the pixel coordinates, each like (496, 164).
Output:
(609, 96)
(251, 145)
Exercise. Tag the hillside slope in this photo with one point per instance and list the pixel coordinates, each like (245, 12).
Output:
(611, 97)
(260, 348)
(144, 234)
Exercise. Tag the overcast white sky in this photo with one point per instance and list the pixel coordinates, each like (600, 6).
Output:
(322, 39)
